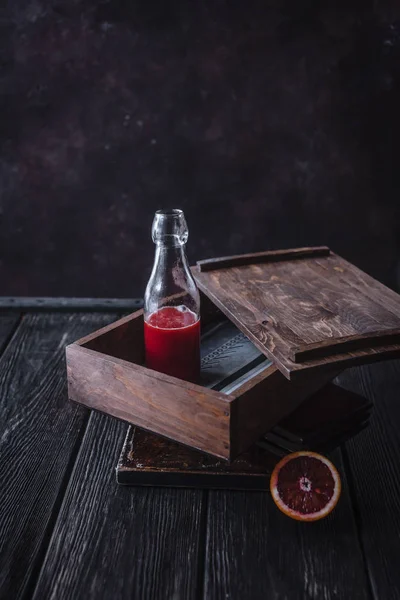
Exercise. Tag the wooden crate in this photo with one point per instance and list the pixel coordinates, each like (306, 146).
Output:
(308, 310)
(106, 373)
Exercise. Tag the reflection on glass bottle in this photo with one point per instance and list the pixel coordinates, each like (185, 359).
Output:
(172, 302)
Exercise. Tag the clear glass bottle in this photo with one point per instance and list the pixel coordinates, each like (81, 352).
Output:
(172, 302)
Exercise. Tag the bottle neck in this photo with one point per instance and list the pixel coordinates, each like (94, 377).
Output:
(167, 256)
(170, 262)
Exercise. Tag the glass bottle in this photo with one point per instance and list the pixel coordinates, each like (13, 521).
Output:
(172, 302)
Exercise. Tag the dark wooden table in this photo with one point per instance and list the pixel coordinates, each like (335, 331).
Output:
(68, 531)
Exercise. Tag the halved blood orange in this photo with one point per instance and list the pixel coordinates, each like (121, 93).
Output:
(305, 486)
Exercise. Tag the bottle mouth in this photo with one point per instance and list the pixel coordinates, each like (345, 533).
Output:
(170, 212)
(169, 227)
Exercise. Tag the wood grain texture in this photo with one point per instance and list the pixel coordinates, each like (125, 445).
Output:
(239, 260)
(291, 304)
(254, 551)
(182, 411)
(39, 434)
(370, 287)
(8, 324)
(374, 465)
(112, 542)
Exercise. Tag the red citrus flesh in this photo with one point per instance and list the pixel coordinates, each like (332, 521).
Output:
(305, 486)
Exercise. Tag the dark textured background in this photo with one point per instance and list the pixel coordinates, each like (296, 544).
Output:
(272, 124)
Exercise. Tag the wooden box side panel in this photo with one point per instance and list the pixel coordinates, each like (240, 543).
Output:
(168, 406)
(262, 402)
(122, 339)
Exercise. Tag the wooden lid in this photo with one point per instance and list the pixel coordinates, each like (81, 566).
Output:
(305, 308)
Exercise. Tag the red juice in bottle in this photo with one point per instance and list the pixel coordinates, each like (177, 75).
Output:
(172, 342)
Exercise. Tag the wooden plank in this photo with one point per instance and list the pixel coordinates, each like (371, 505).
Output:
(254, 551)
(40, 432)
(360, 281)
(365, 311)
(111, 542)
(289, 305)
(240, 260)
(8, 324)
(374, 464)
(46, 304)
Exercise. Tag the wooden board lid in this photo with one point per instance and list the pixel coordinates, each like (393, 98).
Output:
(305, 308)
